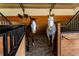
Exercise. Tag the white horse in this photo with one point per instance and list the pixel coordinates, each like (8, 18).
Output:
(51, 29)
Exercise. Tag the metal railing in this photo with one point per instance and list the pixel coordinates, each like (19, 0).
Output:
(4, 20)
(72, 25)
(16, 34)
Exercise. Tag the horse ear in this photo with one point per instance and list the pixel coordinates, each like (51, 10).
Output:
(25, 15)
(20, 16)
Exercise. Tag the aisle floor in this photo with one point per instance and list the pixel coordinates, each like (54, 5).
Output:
(41, 47)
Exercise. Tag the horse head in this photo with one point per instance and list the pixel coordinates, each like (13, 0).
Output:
(50, 22)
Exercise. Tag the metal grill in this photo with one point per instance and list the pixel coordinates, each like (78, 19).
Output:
(72, 25)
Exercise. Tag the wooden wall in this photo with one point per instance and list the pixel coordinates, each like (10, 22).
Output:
(70, 47)
(1, 46)
(41, 20)
(60, 18)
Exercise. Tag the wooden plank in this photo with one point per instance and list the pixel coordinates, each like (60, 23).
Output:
(70, 47)
(1, 46)
(59, 39)
(21, 49)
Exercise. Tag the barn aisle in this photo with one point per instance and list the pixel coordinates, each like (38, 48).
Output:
(41, 47)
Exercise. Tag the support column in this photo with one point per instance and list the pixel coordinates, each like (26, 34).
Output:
(59, 38)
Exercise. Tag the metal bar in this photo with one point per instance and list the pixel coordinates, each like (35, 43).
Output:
(5, 44)
(72, 18)
(15, 38)
(72, 24)
(11, 41)
(15, 43)
(5, 18)
(17, 46)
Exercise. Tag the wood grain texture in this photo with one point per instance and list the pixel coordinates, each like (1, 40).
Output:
(70, 47)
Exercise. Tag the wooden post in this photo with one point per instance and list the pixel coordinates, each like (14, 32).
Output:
(59, 38)
(21, 49)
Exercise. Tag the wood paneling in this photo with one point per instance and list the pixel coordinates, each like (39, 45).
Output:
(1, 46)
(70, 47)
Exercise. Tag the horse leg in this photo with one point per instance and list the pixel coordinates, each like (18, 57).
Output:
(33, 39)
(27, 45)
(27, 41)
(50, 41)
(53, 50)
(27, 35)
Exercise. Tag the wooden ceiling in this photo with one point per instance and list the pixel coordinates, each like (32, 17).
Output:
(40, 5)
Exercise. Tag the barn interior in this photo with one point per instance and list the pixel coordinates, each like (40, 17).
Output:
(15, 16)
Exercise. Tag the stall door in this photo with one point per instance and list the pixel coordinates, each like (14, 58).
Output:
(70, 44)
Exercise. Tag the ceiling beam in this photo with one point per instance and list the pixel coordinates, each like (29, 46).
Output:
(41, 5)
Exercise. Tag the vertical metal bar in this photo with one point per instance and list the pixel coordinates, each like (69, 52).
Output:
(78, 23)
(11, 41)
(15, 43)
(15, 38)
(5, 44)
(74, 24)
(71, 26)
